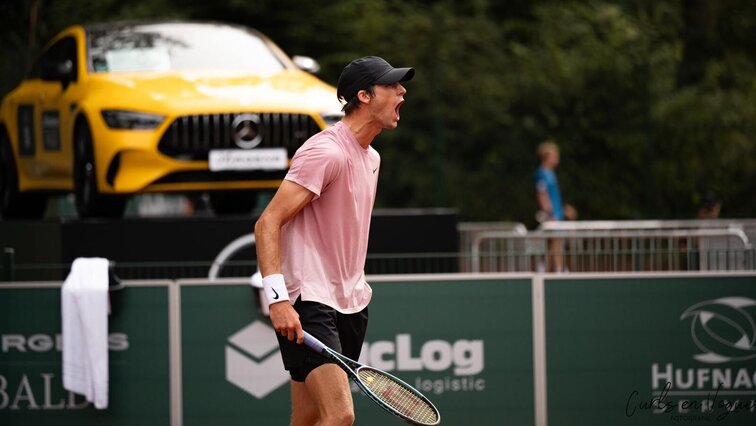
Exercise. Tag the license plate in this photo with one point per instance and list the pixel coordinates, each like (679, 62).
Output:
(254, 159)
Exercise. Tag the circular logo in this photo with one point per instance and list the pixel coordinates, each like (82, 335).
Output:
(247, 130)
(724, 329)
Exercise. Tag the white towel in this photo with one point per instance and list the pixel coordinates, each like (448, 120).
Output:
(84, 300)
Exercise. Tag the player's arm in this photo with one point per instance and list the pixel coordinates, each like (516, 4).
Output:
(289, 200)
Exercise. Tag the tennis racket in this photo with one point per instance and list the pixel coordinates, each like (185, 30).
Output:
(389, 392)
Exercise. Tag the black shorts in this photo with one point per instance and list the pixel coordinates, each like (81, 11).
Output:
(341, 332)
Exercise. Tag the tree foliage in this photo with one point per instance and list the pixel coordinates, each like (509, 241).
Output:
(653, 103)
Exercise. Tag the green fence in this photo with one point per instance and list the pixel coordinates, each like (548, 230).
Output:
(487, 349)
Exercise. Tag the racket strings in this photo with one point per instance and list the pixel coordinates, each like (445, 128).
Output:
(398, 396)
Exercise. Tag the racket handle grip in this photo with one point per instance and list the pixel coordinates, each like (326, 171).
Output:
(313, 343)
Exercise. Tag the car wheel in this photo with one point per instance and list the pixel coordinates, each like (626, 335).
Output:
(13, 203)
(88, 199)
(235, 202)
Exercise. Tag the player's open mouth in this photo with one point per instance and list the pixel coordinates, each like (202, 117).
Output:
(396, 110)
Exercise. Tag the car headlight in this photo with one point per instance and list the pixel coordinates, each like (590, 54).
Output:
(120, 119)
(331, 117)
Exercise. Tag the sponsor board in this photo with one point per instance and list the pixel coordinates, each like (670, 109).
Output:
(459, 349)
(253, 362)
(462, 361)
(651, 351)
(34, 391)
(232, 367)
(721, 383)
(31, 388)
(627, 350)
(254, 365)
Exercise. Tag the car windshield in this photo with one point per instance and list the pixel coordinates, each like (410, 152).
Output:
(179, 46)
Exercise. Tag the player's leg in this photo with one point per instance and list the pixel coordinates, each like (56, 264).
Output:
(337, 407)
(328, 386)
(308, 400)
(304, 411)
(320, 389)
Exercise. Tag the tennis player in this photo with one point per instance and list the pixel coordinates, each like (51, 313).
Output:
(312, 241)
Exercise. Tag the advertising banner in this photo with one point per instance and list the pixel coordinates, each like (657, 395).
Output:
(471, 355)
(651, 351)
(232, 370)
(31, 389)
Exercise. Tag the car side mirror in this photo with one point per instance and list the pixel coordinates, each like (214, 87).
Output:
(306, 63)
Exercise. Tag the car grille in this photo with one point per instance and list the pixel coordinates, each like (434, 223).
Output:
(191, 137)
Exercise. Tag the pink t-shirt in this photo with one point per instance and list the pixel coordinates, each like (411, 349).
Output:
(323, 248)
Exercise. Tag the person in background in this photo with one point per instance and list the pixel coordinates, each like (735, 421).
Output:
(549, 198)
(713, 253)
(711, 205)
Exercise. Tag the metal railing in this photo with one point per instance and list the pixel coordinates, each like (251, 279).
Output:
(614, 251)
(748, 225)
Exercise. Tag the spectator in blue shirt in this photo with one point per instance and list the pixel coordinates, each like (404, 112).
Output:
(547, 187)
(550, 200)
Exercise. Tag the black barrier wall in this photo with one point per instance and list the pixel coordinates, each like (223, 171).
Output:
(175, 242)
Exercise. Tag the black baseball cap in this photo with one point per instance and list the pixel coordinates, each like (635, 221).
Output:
(364, 72)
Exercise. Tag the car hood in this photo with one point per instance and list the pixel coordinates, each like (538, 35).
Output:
(188, 92)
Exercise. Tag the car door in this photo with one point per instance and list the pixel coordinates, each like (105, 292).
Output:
(58, 93)
(24, 104)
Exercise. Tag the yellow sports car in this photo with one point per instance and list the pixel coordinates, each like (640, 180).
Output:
(113, 110)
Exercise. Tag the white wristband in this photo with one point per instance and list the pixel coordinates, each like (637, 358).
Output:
(275, 288)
